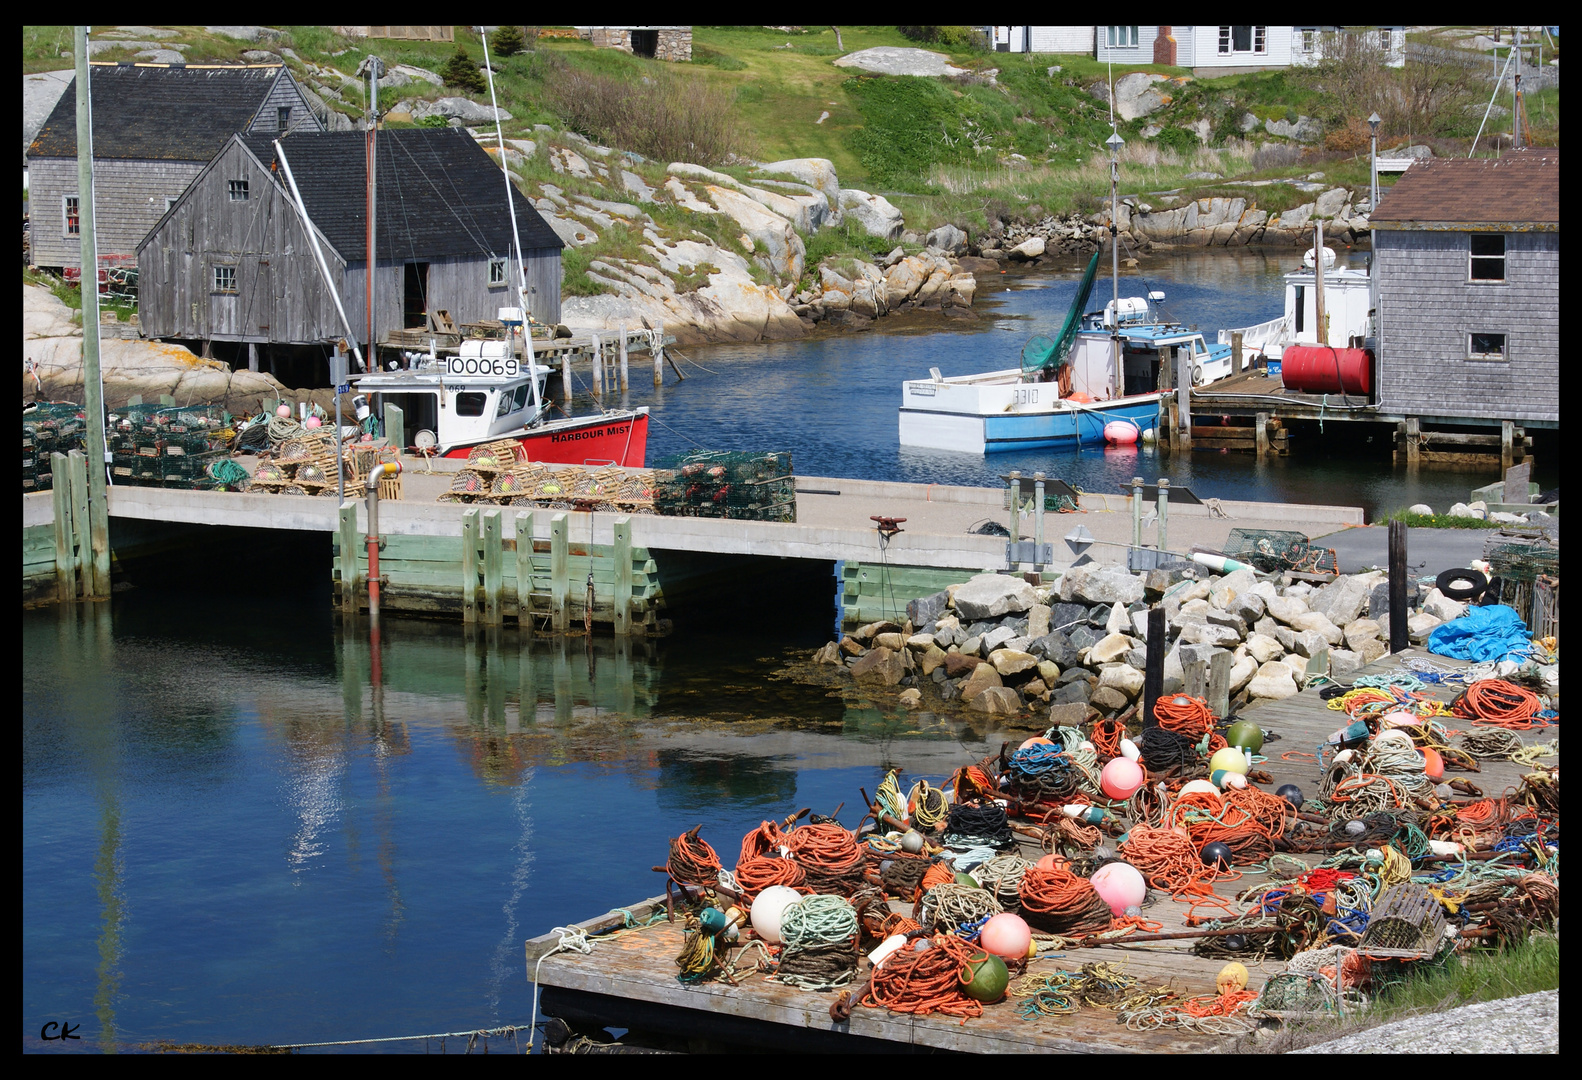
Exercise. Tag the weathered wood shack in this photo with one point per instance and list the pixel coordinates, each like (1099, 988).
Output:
(155, 126)
(230, 261)
(1467, 261)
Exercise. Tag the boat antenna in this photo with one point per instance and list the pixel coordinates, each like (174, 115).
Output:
(318, 255)
(516, 238)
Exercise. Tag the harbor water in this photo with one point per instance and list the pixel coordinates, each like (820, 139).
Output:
(235, 834)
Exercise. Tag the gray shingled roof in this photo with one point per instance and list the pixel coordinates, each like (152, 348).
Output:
(158, 112)
(440, 194)
(1522, 188)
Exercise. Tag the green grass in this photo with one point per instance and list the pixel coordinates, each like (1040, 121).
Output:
(1436, 521)
(71, 296)
(1485, 975)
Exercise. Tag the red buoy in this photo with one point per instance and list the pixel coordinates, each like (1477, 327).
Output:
(1322, 369)
(1120, 432)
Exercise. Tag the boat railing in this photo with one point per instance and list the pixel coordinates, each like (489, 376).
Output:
(1257, 337)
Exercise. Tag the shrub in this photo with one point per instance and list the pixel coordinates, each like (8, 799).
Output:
(959, 38)
(435, 121)
(1179, 139)
(461, 72)
(1350, 138)
(508, 41)
(664, 115)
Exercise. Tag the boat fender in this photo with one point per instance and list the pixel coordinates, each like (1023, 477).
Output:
(1475, 584)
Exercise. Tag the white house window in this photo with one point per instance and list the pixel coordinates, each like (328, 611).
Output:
(1123, 37)
(71, 221)
(283, 118)
(1487, 259)
(1309, 38)
(496, 272)
(225, 279)
(1384, 40)
(1242, 39)
(1486, 346)
(238, 190)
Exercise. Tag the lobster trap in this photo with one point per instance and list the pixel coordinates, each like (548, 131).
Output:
(742, 486)
(1273, 550)
(1406, 923)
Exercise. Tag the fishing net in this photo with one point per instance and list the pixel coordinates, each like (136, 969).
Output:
(1045, 355)
(743, 486)
(1272, 550)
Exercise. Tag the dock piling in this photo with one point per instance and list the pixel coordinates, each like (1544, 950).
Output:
(1261, 433)
(347, 558)
(1154, 665)
(65, 532)
(1235, 352)
(493, 557)
(622, 557)
(469, 567)
(1398, 608)
(598, 367)
(623, 362)
(559, 573)
(524, 568)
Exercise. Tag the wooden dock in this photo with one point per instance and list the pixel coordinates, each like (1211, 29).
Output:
(629, 980)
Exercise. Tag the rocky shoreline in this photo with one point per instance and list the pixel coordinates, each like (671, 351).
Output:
(1075, 651)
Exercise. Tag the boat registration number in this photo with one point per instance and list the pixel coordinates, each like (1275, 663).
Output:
(1026, 395)
(474, 365)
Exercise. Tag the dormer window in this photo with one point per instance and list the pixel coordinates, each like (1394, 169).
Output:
(283, 119)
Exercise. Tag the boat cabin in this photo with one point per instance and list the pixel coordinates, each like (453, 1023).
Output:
(1143, 332)
(483, 392)
(1348, 310)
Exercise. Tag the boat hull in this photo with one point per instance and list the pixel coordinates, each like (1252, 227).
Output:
(618, 438)
(999, 415)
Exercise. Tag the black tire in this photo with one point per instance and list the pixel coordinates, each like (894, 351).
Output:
(1476, 583)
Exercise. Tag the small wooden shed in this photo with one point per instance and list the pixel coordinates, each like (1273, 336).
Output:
(155, 126)
(231, 262)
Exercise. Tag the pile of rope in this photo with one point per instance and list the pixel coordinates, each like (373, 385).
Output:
(830, 857)
(1163, 750)
(1167, 860)
(947, 907)
(692, 861)
(1043, 773)
(819, 938)
(1002, 877)
(1248, 821)
(756, 874)
(1059, 902)
(1189, 716)
(978, 826)
(1498, 703)
(925, 982)
(902, 875)
(1096, 986)
(927, 805)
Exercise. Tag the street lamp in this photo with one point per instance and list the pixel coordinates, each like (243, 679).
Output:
(1373, 155)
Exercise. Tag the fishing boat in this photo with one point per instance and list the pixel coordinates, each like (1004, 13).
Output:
(491, 390)
(1346, 305)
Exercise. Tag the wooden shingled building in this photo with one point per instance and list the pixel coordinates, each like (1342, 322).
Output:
(1467, 266)
(231, 263)
(155, 126)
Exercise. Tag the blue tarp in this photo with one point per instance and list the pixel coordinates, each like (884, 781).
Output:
(1487, 633)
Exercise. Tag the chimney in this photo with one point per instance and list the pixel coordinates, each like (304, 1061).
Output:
(1165, 47)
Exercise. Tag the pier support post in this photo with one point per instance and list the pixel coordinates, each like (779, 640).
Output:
(622, 554)
(1137, 511)
(565, 377)
(659, 356)
(395, 426)
(559, 573)
(1261, 433)
(493, 570)
(1218, 695)
(1398, 609)
(623, 362)
(469, 566)
(1154, 665)
(1164, 512)
(348, 558)
(1165, 379)
(1184, 395)
(1414, 442)
(598, 367)
(65, 533)
(524, 569)
(1235, 352)
(77, 469)
(1507, 450)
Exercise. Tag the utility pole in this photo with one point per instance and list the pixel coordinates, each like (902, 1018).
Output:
(97, 581)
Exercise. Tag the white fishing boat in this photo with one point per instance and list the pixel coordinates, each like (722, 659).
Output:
(1067, 391)
(1347, 305)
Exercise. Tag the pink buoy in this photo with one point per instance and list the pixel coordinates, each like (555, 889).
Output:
(313, 422)
(1119, 885)
(284, 410)
(1006, 935)
(1120, 432)
(1120, 778)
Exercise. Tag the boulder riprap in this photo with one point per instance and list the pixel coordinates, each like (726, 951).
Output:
(1066, 652)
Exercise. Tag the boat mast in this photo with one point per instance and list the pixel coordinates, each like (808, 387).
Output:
(318, 255)
(516, 237)
(375, 69)
(1115, 142)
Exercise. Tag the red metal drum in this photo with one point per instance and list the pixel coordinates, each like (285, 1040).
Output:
(1320, 369)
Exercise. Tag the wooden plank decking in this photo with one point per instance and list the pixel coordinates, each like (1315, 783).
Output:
(630, 980)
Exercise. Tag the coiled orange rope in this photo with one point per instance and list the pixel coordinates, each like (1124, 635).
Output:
(756, 874)
(761, 841)
(1062, 903)
(1189, 716)
(1498, 703)
(925, 982)
(827, 847)
(1106, 739)
(692, 861)
(1167, 860)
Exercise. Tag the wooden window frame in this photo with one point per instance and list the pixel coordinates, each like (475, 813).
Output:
(1132, 32)
(1257, 38)
(223, 273)
(501, 281)
(237, 189)
(70, 215)
(282, 118)
(1487, 260)
(1503, 356)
